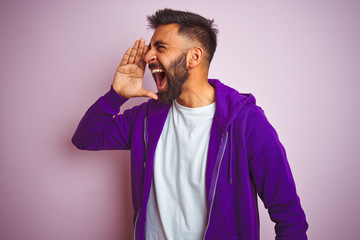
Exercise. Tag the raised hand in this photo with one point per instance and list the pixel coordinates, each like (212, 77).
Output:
(129, 75)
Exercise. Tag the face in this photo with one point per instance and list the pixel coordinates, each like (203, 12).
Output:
(167, 59)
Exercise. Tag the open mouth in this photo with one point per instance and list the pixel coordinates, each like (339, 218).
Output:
(159, 76)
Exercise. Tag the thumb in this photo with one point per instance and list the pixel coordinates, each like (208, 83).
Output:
(149, 94)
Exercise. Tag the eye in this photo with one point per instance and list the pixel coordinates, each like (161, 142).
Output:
(161, 48)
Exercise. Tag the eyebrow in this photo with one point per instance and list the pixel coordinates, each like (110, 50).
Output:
(157, 43)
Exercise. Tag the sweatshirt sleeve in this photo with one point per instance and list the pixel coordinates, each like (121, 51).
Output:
(101, 128)
(273, 179)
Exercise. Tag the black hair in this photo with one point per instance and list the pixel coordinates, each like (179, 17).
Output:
(192, 26)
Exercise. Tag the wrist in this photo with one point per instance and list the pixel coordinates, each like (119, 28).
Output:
(117, 89)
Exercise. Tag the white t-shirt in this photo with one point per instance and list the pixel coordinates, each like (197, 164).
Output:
(177, 203)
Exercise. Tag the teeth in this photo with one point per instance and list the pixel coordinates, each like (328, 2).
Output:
(156, 70)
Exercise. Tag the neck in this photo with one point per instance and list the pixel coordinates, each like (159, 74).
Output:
(197, 92)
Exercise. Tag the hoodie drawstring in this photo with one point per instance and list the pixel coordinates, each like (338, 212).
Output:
(230, 154)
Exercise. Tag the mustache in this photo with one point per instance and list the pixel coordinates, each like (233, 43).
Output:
(155, 65)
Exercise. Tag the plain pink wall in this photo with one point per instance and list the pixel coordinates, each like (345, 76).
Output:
(300, 59)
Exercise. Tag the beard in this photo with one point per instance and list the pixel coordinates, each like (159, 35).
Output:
(176, 74)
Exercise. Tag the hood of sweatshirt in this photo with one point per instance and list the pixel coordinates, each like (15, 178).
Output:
(228, 103)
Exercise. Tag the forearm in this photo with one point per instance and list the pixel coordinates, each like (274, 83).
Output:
(99, 129)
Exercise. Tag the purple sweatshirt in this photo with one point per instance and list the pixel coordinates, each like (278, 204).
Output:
(245, 158)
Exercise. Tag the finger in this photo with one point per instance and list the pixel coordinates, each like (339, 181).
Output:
(125, 58)
(140, 51)
(133, 52)
(143, 63)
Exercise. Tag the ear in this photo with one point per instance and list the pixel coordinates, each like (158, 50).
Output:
(195, 56)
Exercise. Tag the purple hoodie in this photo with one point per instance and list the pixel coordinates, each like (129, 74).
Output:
(245, 158)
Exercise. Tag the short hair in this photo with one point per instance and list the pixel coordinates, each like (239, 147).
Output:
(192, 26)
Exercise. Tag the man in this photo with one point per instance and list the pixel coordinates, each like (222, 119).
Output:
(200, 151)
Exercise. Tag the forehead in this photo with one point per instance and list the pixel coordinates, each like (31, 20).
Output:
(168, 34)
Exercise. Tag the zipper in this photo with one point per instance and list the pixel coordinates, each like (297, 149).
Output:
(145, 142)
(145, 146)
(217, 177)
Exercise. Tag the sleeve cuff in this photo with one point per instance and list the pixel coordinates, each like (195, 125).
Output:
(112, 101)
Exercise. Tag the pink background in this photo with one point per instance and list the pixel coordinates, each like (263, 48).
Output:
(299, 58)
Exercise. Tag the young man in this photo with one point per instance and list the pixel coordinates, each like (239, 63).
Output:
(200, 151)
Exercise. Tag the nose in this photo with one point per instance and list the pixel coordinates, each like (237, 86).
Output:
(150, 56)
